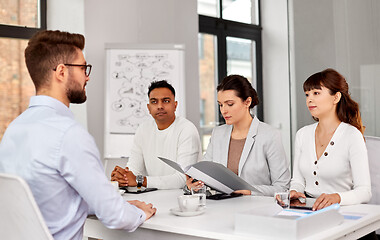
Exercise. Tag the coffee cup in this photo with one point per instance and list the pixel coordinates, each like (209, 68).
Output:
(188, 203)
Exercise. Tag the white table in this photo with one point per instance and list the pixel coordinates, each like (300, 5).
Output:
(218, 220)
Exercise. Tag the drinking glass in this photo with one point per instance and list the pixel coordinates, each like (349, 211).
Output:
(201, 191)
(282, 199)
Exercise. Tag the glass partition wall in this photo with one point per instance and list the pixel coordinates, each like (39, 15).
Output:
(344, 35)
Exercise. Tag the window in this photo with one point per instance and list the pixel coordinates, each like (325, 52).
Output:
(229, 43)
(207, 83)
(19, 20)
(245, 11)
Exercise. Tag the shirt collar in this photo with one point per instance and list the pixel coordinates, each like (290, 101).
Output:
(42, 100)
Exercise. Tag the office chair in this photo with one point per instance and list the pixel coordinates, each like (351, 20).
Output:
(20, 217)
(373, 149)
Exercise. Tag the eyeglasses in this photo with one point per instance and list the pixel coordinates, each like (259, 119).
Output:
(87, 68)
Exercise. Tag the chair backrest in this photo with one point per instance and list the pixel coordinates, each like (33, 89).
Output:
(20, 217)
(373, 148)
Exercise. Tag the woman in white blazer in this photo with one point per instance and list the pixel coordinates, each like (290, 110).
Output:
(331, 162)
(250, 148)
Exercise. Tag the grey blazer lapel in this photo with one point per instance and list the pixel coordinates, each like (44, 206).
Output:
(249, 142)
(225, 145)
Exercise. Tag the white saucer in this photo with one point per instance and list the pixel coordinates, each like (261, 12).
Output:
(178, 212)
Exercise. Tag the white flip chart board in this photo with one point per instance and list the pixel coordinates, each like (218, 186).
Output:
(130, 69)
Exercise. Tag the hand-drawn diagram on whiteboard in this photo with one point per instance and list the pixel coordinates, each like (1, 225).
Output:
(130, 73)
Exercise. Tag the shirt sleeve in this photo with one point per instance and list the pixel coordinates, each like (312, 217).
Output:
(82, 169)
(298, 181)
(278, 166)
(136, 161)
(188, 153)
(209, 154)
(358, 158)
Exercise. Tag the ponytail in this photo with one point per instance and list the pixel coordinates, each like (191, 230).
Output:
(348, 112)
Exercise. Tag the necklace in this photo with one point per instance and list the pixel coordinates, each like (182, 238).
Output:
(320, 144)
(323, 141)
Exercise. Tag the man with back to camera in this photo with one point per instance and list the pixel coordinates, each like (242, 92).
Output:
(166, 135)
(55, 155)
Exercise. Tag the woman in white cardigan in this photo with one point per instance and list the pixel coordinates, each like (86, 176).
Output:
(252, 149)
(331, 162)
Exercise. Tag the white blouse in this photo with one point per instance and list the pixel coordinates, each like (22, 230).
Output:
(342, 168)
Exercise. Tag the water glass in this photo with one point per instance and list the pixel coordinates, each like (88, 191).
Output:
(201, 192)
(282, 199)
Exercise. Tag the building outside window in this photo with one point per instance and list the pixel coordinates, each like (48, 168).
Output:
(229, 43)
(19, 20)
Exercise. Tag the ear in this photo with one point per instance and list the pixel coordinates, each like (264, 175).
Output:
(148, 106)
(60, 72)
(248, 102)
(175, 105)
(337, 97)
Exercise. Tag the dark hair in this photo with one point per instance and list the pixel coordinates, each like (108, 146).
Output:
(160, 84)
(47, 49)
(242, 87)
(347, 109)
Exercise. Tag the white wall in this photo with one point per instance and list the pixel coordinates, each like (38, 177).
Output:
(274, 20)
(138, 21)
(68, 16)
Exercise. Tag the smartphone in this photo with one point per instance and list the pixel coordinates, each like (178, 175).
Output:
(305, 205)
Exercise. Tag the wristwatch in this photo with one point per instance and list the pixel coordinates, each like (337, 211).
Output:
(139, 180)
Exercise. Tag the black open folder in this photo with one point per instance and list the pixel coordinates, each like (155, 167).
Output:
(221, 196)
(135, 190)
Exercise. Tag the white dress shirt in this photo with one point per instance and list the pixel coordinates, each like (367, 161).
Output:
(179, 142)
(59, 160)
(342, 168)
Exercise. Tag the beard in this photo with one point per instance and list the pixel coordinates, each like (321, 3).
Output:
(74, 92)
